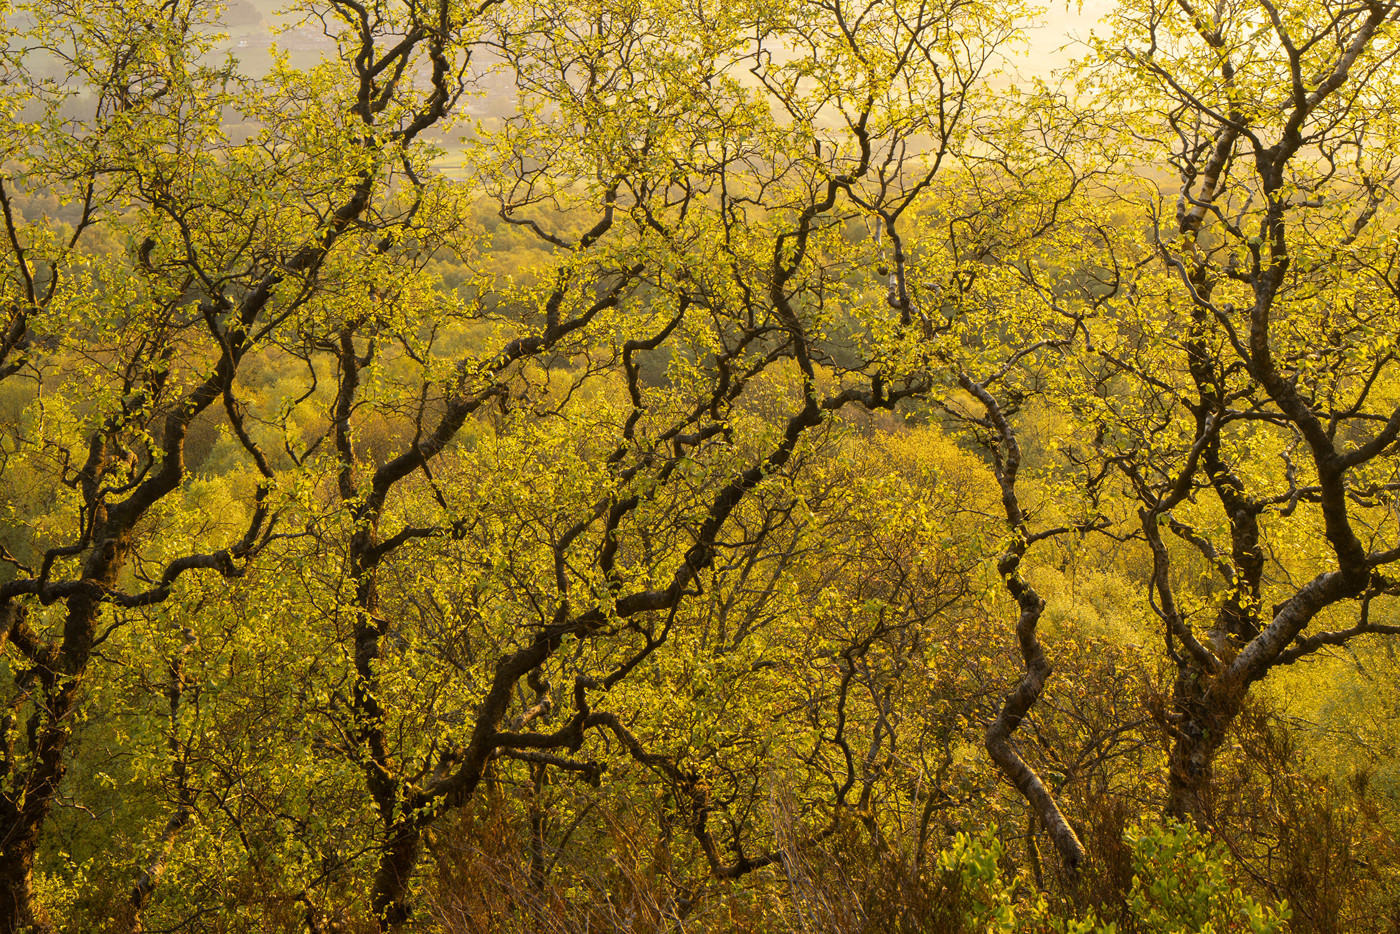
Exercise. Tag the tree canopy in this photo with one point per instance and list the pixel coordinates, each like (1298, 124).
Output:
(778, 471)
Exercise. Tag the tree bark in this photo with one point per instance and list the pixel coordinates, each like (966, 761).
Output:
(18, 912)
(389, 891)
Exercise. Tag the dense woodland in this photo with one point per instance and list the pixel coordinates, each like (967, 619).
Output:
(781, 473)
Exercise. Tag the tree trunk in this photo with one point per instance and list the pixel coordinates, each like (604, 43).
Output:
(35, 774)
(1190, 768)
(389, 897)
(18, 912)
(1204, 711)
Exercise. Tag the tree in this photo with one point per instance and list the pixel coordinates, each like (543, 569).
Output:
(1243, 386)
(179, 249)
(693, 223)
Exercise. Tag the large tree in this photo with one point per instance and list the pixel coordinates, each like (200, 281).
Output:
(700, 233)
(166, 219)
(1244, 386)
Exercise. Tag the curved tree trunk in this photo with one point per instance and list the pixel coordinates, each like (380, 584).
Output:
(1018, 703)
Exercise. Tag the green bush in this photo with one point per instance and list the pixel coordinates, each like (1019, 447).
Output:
(1181, 885)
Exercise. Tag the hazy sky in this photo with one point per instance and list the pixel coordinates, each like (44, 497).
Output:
(1053, 44)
